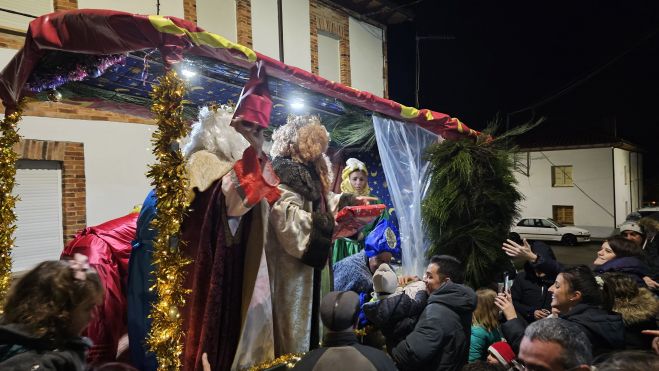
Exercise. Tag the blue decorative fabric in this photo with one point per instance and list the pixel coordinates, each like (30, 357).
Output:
(383, 238)
(140, 280)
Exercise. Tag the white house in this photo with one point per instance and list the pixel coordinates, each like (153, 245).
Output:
(593, 186)
(81, 166)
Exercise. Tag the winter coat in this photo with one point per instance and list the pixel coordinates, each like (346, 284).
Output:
(638, 313)
(341, 351)
(396, 315)
(440, 340)
(481, 339)
(353, 274)
(530, 292)
(605, 330)
(21, 351)
(629, 265)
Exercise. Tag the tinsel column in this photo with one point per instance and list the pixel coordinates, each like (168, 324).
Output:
(169, 180)
(7, 201)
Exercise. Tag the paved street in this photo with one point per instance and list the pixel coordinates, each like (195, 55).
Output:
(581, 254)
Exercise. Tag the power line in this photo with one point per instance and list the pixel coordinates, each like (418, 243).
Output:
(17, 13)
(573, 84)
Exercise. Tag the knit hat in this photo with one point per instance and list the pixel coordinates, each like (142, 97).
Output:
(631, 226)
(502, 352)
(385, 281)
(338, 310)
(255, 104)
(383, 238)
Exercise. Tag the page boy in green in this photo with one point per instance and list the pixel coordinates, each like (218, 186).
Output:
(355, 180)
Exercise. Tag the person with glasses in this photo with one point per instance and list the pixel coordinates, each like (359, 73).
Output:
(553, 344)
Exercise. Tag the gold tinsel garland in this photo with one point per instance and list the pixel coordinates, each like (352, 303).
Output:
(289, 359)
(7, 201)
(169, 180)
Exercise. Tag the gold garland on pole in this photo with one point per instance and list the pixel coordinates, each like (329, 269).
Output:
(290, 359)
(169, 180)
(8, 159)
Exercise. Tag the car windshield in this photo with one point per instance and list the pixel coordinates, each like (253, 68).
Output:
(555, 222)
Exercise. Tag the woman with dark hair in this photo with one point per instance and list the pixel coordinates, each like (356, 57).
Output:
(638, 307)
(579, 297)
(618, 254)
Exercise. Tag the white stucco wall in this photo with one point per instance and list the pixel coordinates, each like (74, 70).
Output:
(366, 58)
(116, 157)
(297, 33)
(149, 7)
(622, 176)
(329, 58)
(265, 33)
(592, 172)
(218, 16)
(32, 7)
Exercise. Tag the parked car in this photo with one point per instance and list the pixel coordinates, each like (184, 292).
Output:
(548, 229)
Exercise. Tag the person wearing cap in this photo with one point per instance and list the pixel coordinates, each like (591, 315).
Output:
(636, 232)
(394, 310)
(232, 183)
(300, 231)
(440, 339)
(341, 350)
(355, 273)
(355, 181)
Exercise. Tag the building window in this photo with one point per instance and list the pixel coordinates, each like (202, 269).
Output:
(563, 214)
(561, 176)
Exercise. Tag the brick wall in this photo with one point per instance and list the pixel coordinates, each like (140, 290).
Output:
(190, 10)
(65, 5)
(76, 112)
(323, 18)
(74, 196)
(244, 20)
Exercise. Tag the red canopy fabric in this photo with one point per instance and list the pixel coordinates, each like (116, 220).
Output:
(103, 32)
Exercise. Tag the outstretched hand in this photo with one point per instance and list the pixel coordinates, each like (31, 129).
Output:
(204, 362)
(404, 280)
(515, 250)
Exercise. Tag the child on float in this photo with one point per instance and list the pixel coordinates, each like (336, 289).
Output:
(355, 181)
(44, 315)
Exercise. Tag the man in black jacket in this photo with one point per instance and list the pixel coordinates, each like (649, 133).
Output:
(341, 351)
(440, 340)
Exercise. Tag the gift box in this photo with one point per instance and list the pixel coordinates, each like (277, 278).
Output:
(351, 219)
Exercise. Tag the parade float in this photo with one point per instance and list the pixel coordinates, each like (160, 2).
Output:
(138, 65)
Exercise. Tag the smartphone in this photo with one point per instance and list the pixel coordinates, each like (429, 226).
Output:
(506, 282)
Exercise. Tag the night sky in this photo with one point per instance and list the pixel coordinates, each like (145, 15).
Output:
(480, 59)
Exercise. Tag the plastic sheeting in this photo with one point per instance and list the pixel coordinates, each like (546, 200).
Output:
(401, 146)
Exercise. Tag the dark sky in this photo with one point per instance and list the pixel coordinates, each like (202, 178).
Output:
(497, 57)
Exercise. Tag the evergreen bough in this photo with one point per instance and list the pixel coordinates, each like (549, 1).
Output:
(472, 201)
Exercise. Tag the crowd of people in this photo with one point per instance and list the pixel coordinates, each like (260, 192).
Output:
(271, 278)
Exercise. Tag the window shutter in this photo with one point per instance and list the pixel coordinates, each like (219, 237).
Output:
(38, 235)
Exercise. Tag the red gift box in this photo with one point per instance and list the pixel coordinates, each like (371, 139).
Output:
(351, 219)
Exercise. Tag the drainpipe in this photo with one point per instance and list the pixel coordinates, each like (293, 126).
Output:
(613, 168)
(280, 29)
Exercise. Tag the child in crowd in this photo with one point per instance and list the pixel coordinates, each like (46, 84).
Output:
(45, 313)
(500, 353)
(485, 325)
(394, 310)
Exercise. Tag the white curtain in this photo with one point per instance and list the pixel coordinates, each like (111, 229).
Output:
(401, 147)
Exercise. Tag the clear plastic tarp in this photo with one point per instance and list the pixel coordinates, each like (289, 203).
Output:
(401, 147)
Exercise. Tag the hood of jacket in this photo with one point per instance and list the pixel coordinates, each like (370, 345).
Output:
(640, 308)
(604, 326)
(459, 298)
